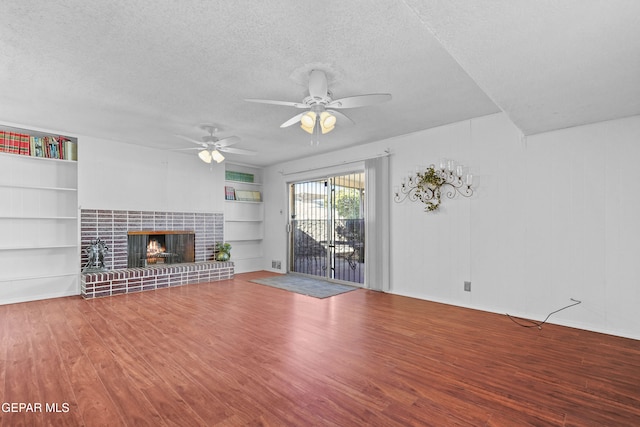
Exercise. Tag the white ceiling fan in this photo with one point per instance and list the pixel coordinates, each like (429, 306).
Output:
(322, 109)
(211, 146)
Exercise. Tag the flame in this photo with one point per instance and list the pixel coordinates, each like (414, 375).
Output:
(154, 248)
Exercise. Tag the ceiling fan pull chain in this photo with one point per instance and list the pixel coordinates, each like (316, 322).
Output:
(316, 132)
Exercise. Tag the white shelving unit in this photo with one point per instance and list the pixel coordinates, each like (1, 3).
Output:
(39, 244)
(244, 223)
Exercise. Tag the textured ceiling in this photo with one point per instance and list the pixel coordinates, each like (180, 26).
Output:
(548, 64)
(143, 71)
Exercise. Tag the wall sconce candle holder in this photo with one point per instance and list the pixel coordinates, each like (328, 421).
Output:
(427, 185)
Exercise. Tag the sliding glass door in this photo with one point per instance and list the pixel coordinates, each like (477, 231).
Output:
(327, 227)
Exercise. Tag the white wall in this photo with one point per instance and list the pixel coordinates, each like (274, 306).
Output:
(119, 176)
(554, 217)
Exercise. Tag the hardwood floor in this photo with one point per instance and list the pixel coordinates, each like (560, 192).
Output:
(235, 353)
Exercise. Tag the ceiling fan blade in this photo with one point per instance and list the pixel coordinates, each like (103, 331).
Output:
(200, 143)
(293, 120)
(186, 149)
(341, 116)
(317, 84)
(360, 100)
(270, 101)
(237, 151)
(225, 142)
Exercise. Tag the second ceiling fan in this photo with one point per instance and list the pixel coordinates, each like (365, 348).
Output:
(211, 146)
(322, 110)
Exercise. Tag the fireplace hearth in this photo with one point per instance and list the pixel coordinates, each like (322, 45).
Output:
(146, 247)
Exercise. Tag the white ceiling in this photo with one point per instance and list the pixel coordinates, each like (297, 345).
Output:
(143, 71)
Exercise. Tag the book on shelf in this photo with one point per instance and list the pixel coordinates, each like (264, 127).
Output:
(229, 193)
(52, 142)
(11, 142)
(4, 142)
(7, 146)
(248, 196)
(70, 150)
(24, 144)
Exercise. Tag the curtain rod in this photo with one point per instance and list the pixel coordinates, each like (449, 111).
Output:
(386, 153)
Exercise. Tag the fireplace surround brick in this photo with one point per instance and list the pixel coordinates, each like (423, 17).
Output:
(129, 280)
(111, 226)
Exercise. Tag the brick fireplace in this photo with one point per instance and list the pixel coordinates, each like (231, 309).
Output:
(114, 227)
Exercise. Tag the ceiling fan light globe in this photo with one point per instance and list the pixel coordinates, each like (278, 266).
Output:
(308, 119)
(205, 156)
(217, 156)
(326, 129)
(327, 120)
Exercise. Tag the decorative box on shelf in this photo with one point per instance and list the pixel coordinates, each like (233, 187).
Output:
(239, 176)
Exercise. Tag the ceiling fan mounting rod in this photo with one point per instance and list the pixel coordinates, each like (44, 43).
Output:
(317, 108)
(211, 129)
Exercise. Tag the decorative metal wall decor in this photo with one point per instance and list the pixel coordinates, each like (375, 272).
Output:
(427, 184)
(96, 252)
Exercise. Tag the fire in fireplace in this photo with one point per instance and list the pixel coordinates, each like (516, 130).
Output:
(159, 247)
(156, 251)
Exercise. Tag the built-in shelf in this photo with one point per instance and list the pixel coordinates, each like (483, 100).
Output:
(38, 219)
(25, 248)
(245, 239)
(31, 187)
(257, 184)
(38, 159)
(244, 221)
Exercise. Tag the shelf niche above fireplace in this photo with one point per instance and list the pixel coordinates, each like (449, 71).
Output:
(147, 247)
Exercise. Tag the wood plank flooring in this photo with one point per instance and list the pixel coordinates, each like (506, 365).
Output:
(235, 353)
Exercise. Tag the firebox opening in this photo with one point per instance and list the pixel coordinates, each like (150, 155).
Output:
(159, 247)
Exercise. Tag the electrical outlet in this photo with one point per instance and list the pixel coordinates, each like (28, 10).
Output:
(276, 264)
(467, 286)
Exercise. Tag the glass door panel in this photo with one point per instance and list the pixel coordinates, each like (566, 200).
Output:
(309, 228)
(348, 227)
